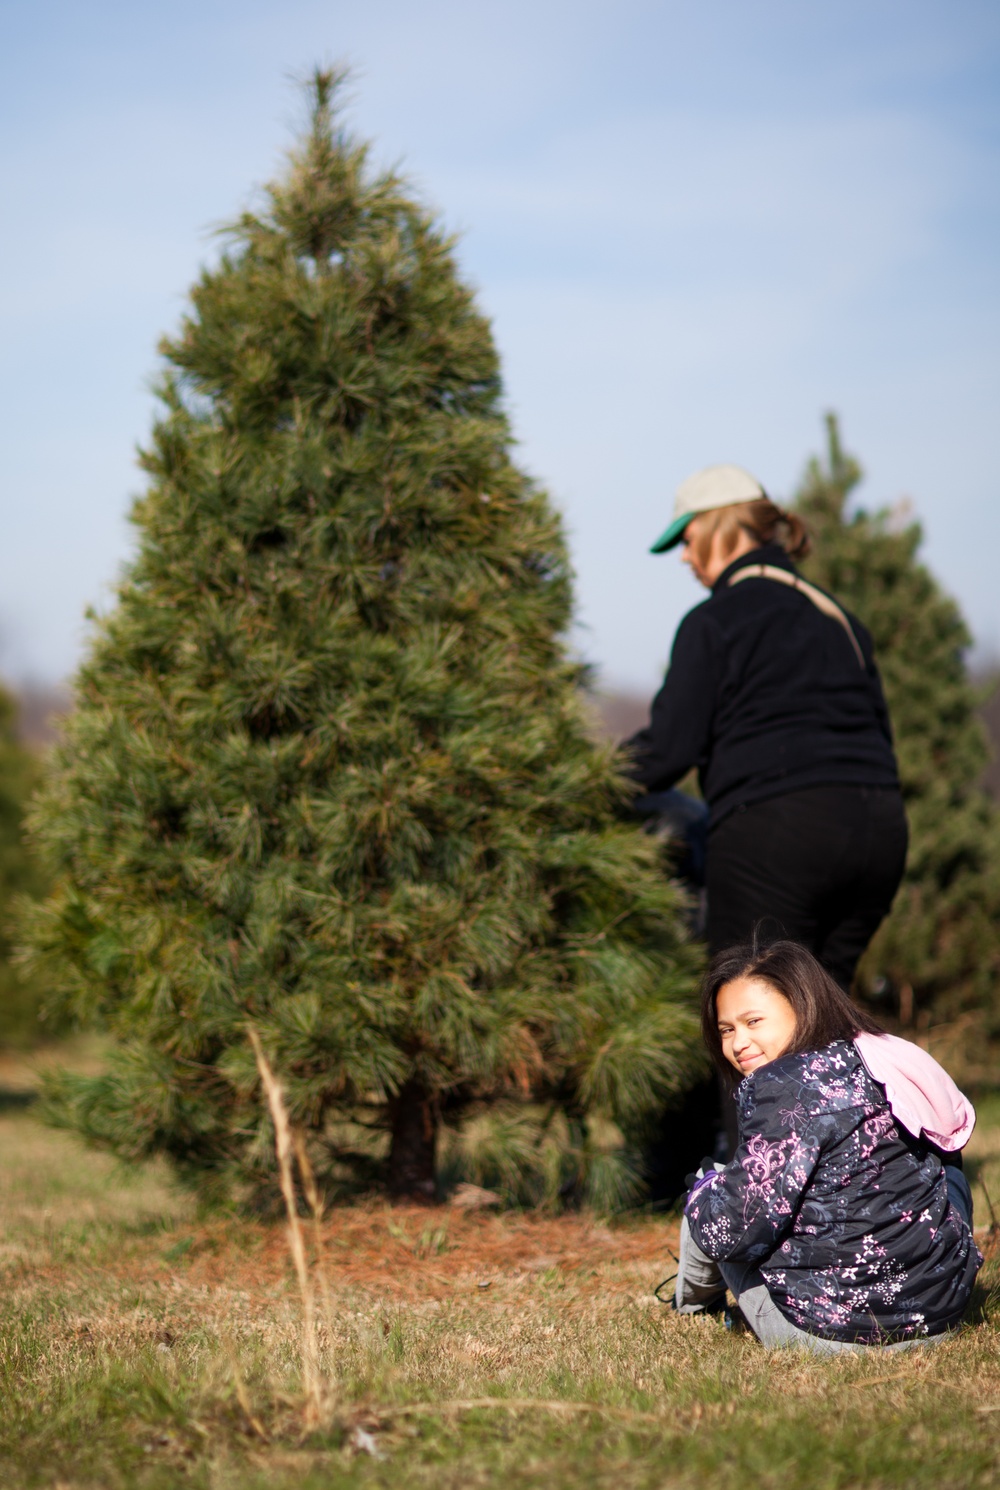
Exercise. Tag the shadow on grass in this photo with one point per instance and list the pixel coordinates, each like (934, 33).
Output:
(13, 1099)
(984, 1303)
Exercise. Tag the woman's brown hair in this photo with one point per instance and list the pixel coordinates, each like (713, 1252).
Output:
(762, 519)
(823, 1011)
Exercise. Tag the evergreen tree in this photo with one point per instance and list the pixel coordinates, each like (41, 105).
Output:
(329, 770)
(939, 950)
(19, 875)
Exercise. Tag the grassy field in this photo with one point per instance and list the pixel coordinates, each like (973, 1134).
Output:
(141, 1345)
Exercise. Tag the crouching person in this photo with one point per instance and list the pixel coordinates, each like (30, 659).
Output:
(844, 1220)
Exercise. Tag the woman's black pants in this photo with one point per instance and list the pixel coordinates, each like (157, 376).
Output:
(818, 866)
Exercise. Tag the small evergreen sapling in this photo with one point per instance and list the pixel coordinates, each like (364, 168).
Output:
(939, 949)
(329, 772)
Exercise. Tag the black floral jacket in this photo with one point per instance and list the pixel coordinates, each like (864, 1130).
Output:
(846, 1215)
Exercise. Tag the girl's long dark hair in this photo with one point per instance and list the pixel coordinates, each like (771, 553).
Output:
(823, 1011)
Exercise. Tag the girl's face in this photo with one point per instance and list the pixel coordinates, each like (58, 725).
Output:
(756, 1023)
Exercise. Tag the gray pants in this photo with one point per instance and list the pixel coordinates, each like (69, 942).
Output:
(701, 1280)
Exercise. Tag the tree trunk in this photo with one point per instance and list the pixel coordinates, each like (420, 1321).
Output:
(414, 1140)
(906, 1005)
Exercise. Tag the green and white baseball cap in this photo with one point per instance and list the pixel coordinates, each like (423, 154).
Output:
(715, 486)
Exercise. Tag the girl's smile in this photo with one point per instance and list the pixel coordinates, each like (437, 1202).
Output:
(756, 1023)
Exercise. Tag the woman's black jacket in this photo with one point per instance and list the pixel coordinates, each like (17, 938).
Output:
(765, 695)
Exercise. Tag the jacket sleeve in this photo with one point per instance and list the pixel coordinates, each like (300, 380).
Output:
(743, 1212)
(680, 729)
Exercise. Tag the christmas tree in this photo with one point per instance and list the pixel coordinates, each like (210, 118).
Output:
(330, 774)
(938, 953)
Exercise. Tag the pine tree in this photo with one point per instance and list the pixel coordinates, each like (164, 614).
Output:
(19, 875)
(330, 771)
(939, 950)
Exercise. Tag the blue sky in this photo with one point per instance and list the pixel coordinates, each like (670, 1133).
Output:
(695, 225)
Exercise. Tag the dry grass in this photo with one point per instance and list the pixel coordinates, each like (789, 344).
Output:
(143, 1346)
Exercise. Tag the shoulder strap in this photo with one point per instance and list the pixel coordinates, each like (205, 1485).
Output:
(822, 602)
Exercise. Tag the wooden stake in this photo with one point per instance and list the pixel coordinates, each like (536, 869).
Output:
(315, 1200)
(285, 1147)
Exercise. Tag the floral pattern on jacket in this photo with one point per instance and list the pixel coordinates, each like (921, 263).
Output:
(846, 1216)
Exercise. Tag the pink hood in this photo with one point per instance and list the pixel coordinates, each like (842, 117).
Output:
(920, 1093)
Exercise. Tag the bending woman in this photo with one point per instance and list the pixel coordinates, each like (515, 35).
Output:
(773, 694)
(844, 1220)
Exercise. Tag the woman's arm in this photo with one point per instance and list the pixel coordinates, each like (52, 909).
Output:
(743, 1212)
(680, 728)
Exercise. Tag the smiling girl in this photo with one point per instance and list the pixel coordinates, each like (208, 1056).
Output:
(844, 1220)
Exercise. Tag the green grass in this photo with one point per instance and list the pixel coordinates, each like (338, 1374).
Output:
(143, 1346)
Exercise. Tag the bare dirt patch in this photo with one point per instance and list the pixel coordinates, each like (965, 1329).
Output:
(409, 1253)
